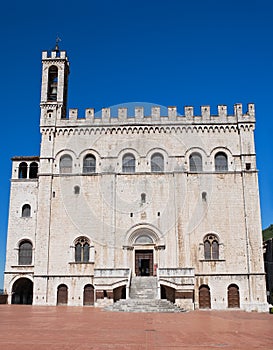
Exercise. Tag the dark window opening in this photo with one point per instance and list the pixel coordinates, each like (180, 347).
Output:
(77, 190)
(52, 83)
(248, 166)
(26, 211)
(143, 198)
(22, 170)
(33, 170)
(204, 196)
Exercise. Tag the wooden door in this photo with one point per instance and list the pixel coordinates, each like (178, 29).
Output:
(62, 295)
(204, 297)
(88, 295)
(233, 296)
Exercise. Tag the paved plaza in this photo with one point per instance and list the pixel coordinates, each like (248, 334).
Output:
(79, 328)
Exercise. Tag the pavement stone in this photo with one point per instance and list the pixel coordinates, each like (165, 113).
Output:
(79, 328)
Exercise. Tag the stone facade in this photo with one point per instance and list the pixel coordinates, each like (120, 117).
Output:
(173, 196)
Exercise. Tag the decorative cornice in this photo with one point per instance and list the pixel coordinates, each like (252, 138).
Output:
(150, 129)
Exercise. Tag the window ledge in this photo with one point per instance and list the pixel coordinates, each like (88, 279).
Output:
(22, 266)
(212, 260)
(81, 263)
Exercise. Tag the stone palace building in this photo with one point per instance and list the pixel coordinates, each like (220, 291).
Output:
(121, 196)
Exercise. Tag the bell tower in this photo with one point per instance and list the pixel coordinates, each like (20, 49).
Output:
(55, 71)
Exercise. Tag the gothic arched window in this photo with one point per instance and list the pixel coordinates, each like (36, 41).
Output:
(157, 162)
(221, 162)
(211, 247)
(82, 248)
(66, 164)
(128, 163)
(25, 253)
(26, 211)
(196, 162)
(89, 164)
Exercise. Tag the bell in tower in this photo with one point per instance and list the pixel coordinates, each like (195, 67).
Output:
(52, 83)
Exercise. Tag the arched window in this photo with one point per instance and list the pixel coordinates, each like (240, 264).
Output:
(82, 248)
(211, 247)
(77, 190)
(26, 211)
(22, 170)
(221, 162)
(196, 162)
(52, 83)
(89, 164)
(128, 163)
(157, 162)
(66, 164)
(25, 253)
(33, 170)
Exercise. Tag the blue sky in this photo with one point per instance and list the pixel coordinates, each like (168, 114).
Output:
(175, 52)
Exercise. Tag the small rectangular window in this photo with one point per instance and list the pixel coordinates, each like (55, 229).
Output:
(248, 166)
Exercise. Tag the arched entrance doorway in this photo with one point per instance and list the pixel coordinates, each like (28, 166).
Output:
(233, 296)
(145, 242)
(22, 292)
(88, 295)
(144, 253)
(204, 297)
(62, 294)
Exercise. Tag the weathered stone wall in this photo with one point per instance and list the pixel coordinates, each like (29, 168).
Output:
(176, 207)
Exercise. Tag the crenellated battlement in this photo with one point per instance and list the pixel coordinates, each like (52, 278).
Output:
(54, 54)
(156, 115)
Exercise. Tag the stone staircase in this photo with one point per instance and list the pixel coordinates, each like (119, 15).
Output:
(143, 288)
(143, 298)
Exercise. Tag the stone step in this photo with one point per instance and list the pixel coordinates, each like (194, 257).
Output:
(147, 305)
(143, 287)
